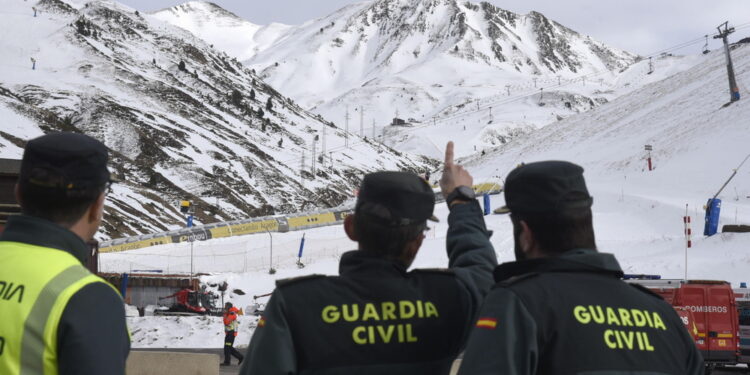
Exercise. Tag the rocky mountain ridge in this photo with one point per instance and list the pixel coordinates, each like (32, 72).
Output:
(182, 119)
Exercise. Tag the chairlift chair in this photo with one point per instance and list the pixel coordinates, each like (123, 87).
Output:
(705, 46)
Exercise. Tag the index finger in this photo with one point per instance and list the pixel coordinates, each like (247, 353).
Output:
(449, 154)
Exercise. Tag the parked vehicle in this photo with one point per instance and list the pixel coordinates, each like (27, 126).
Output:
(742, 296)
(190, 302)
(714, 312)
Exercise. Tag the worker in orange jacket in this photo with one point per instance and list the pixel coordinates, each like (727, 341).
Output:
(230, 332)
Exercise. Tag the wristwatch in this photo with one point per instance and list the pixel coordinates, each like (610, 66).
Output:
(462, 193)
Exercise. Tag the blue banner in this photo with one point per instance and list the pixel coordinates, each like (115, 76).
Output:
(487, 209)
(713, 209)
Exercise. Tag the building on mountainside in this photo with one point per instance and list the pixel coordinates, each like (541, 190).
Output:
(9, 170)
(398, 122)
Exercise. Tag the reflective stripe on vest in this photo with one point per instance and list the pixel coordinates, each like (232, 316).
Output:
(44, 280)
(32, 344)
(231, 326)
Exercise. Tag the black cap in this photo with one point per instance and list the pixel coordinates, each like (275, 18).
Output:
(65, 161)
(545, 187)
(395, 198)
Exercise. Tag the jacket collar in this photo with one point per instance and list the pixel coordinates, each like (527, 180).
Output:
(40, 232)
(577, 260)
(364, 263)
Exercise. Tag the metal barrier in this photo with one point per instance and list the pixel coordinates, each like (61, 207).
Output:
(276, 223)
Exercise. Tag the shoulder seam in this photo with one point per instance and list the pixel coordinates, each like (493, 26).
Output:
(294, 280)
(439, 271)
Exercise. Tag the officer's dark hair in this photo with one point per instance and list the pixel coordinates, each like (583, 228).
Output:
(560, 231)
(385, 240)
(44, 198)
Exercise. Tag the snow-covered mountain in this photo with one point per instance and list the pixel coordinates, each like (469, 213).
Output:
(419, 59)
(637, 213)
(225, 30)
(183, 120)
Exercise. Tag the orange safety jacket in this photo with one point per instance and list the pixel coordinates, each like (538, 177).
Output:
(230, 320)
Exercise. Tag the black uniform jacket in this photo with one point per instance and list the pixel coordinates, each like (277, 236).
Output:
(377, 317)
(92, 338)
(572, 314)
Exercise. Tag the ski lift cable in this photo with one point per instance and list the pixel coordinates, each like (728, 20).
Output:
(691, 42)
(734, 172)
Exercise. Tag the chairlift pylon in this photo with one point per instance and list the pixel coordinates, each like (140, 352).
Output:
(705, 46)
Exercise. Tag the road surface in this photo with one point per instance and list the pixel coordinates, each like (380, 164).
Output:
(234, 368)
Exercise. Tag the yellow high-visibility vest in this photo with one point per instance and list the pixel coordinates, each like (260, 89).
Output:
(36, 284)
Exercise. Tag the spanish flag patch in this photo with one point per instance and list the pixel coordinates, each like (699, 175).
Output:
(487, 323)
(262, 322)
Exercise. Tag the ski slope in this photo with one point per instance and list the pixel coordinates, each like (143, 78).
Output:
(637, 213)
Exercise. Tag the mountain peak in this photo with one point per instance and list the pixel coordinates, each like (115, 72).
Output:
(199, 8)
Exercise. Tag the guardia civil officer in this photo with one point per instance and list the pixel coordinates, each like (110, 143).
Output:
(55, 316)
(377, 317)
(562, 308)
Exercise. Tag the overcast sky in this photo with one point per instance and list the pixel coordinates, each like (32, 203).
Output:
(639, 26)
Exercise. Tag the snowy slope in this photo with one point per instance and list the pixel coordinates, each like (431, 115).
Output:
(202, 133)
(228, 32)
(637, 214)
(419, 59)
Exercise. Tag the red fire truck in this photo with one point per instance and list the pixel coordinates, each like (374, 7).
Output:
(714, 310)
(742, 296)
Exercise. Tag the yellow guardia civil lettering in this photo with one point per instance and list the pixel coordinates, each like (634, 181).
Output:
(370, 313)
(626, 339)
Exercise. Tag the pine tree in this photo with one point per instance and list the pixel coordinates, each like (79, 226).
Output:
(80, 27)
(252, 94)
(269, 104)
(181, 65)
(236, 98)
(260, 112)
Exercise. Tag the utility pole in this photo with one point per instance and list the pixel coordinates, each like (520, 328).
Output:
(534, 82)
(559, 82)
(507, 87)
(650, 65)
(584, 80)
(323, 145)
(346, 129)
(312, 163)
(490, 114)
(302, 168)
(361, 122)
(373, 130)
(734, 91)
(433, 120)
(271, 270)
